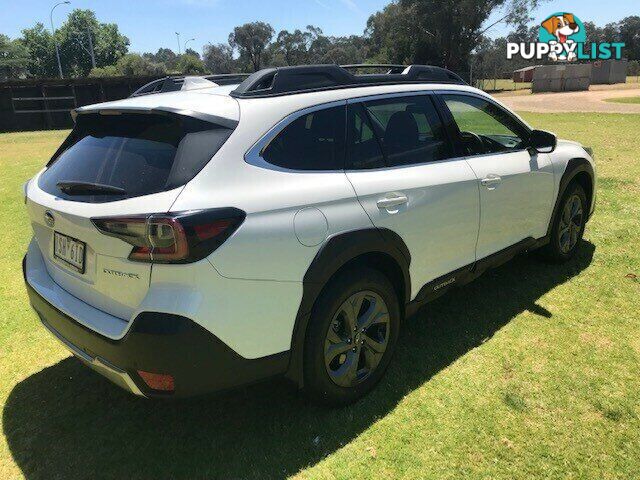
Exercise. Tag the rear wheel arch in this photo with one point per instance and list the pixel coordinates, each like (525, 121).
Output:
(380, 249)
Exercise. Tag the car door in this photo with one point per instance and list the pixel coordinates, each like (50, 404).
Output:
(516, 185)
(400, 163)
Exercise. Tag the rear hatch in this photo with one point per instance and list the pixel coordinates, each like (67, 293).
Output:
(113, 164)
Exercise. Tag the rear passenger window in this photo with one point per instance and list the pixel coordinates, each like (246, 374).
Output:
(409, 130)
(314, 141)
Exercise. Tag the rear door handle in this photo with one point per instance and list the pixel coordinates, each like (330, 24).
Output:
(391, 200)
(491, 180)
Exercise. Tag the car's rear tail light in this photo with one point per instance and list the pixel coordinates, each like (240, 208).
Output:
(161, 382)
(173, 238)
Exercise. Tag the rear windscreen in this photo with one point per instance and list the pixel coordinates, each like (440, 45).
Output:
(138, 153)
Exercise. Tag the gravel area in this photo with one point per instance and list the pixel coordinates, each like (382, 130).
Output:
(590, 101)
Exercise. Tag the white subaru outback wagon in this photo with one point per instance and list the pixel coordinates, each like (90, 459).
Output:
(204, 238)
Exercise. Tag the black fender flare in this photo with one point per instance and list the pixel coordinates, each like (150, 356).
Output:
(574, 167)
(334, 254)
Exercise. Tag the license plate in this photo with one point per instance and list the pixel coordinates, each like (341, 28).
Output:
(69, 250)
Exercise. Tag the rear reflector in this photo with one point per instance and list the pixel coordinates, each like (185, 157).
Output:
(158, 381)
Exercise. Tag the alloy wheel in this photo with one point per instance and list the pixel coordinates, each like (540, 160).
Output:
(570, 224)
(357, 338)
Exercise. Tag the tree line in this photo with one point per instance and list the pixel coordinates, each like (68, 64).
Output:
(449, 33)
(490, 61)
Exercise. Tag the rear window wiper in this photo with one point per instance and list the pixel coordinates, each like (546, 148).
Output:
(89, 188)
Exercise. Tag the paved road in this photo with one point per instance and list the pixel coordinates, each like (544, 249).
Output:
(591, 101)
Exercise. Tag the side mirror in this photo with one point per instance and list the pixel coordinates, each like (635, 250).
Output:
(543, 142)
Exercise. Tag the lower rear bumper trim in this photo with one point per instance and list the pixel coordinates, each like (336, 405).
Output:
(102, 366)
(159, 343)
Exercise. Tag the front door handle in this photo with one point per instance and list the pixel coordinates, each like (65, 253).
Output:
(491, 180)
(392, 200)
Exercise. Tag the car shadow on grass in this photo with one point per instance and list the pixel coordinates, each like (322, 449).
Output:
(68, 422)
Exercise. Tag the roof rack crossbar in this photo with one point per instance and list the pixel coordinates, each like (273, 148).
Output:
(271, 82)
(390, 67)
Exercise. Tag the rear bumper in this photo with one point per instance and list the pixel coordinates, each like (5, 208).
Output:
(159, 343)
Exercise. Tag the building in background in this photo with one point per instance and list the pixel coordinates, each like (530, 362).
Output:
(609, 72)
(561, 78)
(524, 75)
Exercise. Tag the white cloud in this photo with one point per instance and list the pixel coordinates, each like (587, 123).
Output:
(351, 5)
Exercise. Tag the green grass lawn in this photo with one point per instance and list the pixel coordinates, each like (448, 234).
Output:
(532, 371)
(623, 100)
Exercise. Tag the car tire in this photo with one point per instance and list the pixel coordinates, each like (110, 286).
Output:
(342, 365)
(568, 225)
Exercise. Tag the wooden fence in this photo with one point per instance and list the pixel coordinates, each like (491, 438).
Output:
(45, 104)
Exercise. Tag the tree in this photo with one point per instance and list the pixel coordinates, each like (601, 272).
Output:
(164, 56)
(251, 40)
(109, 44)
(442, 32)
(319, 45)
(75, 48)
(192, 52)
(312, 46)
(190, 65)
(392, 34)
(42, 56)
(219, 58)
(14, 58)
(130, 65)
(630, 35)
(108, 71)
(134, 65)
(294, 47)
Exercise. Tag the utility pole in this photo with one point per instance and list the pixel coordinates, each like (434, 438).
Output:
(91, 52)
(178, 37)
(187, 43)
(90, 49)
(53, 32)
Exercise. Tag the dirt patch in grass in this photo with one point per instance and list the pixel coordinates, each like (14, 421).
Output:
(589, 101)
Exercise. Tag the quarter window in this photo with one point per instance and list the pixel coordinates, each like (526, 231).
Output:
(314, 141)
(485, 127)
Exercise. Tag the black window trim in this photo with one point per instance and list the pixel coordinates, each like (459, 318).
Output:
(254, 157)
(432, 97)
(454, 130)
(367, 118)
